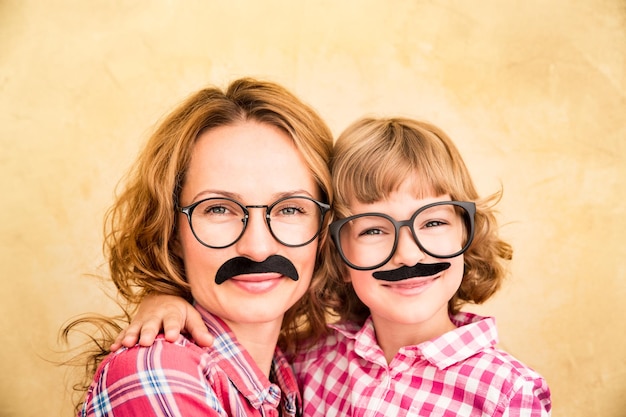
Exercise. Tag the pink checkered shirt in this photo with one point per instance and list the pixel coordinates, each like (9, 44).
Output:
(182, 379)
(460, 373)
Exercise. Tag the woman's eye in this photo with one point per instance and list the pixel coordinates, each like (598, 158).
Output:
(291, 211)
(215, 210)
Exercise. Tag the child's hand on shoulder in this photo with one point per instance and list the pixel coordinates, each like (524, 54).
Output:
(169, 313)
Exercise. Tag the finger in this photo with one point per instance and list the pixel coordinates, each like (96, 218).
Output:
(172, 326)
(202, 337)
(117, 343)
(198, 330)
(149, 331)
(130, 336)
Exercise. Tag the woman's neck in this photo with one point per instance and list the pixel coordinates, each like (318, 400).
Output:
(259, 339)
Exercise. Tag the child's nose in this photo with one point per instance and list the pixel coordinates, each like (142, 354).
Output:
(407, 252)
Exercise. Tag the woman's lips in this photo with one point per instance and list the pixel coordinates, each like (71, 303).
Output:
(257, 283)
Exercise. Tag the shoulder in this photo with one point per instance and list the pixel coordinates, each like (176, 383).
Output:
(479, 336)
(160, 355)
(339, 336)
(517, 385)
(132, 369)
(138, 379)
(527, 389)
(335, 342)
(493, 369)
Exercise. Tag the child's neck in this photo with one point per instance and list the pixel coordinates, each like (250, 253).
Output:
(392, 336)
(259, 339)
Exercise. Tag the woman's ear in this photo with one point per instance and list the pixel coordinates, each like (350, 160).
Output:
(176, 247)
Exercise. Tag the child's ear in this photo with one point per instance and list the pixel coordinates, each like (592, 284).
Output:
(347, 277)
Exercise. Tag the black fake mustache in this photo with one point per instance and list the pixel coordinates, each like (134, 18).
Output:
(242, 266)
(406, 272)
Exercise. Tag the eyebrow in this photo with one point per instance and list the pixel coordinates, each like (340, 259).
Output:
(238, 197)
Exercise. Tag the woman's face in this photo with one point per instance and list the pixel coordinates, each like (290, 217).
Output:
(254, 164)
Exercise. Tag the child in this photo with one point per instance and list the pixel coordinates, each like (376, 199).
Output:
(413, 242)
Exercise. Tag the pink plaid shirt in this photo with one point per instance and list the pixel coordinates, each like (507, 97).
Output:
(182, 379)
(460, 373)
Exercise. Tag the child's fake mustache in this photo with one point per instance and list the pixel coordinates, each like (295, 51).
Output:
(406, 272)
(242, 266)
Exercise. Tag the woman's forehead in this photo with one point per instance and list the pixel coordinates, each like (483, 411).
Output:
(251, 159)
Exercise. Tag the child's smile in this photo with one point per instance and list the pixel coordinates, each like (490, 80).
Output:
(411, 286)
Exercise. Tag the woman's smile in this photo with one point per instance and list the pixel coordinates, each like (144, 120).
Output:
(258, 283)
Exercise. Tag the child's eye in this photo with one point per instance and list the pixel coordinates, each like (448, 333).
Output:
(371, 232)
(435, 223)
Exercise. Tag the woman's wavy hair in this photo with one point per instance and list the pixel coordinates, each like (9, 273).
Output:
(140, 227)
(371, 159)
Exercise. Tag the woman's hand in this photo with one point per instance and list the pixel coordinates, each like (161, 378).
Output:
(168, 312)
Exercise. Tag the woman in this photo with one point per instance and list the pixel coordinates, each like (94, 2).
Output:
(226, 207)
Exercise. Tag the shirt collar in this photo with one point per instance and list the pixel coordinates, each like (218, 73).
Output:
(473, 334)
(244, 373)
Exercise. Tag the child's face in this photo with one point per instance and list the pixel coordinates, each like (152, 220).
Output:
(413, 300)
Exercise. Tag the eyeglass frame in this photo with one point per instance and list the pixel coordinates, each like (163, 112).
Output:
(335, 227)
(188, 211)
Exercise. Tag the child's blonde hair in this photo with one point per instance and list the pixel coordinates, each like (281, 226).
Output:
(371, 159)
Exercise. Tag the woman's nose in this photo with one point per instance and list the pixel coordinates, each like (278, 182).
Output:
(257, 242)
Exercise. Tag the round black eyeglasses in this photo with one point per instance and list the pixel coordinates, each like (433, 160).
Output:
(220, 222)
(444, 229)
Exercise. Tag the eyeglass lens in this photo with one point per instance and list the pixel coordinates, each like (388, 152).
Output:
(442, 230)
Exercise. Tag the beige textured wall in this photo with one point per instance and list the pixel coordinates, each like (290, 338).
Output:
(534, 94)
